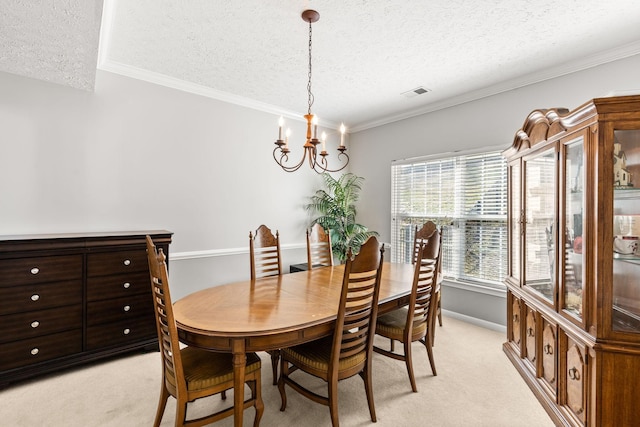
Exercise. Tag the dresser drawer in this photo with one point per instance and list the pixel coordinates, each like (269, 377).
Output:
(36, 323)
(40, 349)
(25, 271)
(117, 262)
(120, 285)
(119, 309)
(120, 333)
(35, 297)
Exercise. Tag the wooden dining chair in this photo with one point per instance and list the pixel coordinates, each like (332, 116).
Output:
(319, 251)
(264, 254)
(433, 236)
(190, 373)
(412, 323)
(420, 236)
(348, 351)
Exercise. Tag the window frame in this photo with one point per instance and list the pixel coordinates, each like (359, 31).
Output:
(458, 216)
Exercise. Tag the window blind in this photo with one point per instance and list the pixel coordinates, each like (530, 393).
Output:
(467, 195)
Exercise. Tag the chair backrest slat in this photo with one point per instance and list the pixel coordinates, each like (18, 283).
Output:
(264, 253)
(319, 251)
(424, 235)
(165, 322)
(423, 290)
(358, 302)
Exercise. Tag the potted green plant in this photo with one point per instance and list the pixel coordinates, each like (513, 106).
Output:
(337, 208)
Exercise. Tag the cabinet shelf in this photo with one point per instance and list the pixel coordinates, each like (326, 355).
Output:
(625, 193)
(633, 259)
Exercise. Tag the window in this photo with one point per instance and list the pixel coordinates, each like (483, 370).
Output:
(467, 194)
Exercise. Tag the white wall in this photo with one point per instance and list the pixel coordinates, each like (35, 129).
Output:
(492, 121)
(74, 161)
(133, 155)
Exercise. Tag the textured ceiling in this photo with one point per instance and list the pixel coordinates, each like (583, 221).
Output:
(52, 40)
(366, 53)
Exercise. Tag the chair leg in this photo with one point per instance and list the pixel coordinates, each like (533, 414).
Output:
(256, 394)
(409, 362)
(275, 358)
(333, 402)
(284, 372)
(162, 403)
(431, 332)
(391, 346)
(181, 413)
(427, 343)
(368, 388)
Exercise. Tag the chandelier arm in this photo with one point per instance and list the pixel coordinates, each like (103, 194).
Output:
(324, 165)
(284, 157)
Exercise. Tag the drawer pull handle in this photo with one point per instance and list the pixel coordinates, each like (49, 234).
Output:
(35, 270)
(515, 318)
(127, 262)
(126, 308)
(548, 349)
(127, 285)
(530, 332)
(35, 297)
(34, 351)
(126, 331)
(574, 374)
(35, 324)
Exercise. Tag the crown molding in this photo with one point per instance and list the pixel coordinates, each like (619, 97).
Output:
(591, 61)
(587, 62)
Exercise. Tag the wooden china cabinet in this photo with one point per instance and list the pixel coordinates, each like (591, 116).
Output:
(573, 284)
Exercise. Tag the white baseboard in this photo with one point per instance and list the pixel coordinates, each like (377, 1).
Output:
(475, 321)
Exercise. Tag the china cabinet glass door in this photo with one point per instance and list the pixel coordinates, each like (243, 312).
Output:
(516, 217)
(572, 237)
(626, 231)
(540, 219)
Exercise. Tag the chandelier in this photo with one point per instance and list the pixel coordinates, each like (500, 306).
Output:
(318, 164)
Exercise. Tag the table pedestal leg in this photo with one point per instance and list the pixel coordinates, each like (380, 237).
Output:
(239, 365)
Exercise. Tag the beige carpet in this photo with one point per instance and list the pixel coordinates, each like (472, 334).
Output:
(476, 386)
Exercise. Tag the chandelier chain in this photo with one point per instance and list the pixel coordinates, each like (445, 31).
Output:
(311, 97)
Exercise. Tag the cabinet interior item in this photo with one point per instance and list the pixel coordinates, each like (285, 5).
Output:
(573, 283)
(67, 299)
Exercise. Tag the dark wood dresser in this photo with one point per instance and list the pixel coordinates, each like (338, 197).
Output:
(67, 299)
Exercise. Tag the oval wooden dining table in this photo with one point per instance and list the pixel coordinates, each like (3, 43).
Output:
(274, 312)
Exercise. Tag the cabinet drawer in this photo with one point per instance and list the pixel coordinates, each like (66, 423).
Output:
(120, 309)
(35, 297)
(117, 262)
(23, 271)
(120, 285)
(40, 349)
(36, 323)
(120, 333)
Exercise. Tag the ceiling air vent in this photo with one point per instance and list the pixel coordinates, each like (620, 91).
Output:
(415, 92)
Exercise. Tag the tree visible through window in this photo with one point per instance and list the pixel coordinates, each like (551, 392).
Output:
(467, 194)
